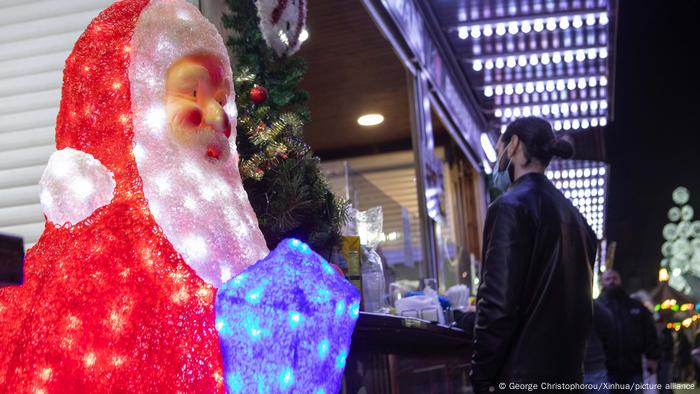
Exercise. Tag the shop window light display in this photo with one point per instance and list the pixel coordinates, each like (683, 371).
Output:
(584, 183)
(541, 58)
(146, 218)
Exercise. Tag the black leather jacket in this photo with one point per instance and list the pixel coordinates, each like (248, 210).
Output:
(534, 305)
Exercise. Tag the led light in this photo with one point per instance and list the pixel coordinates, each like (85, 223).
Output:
(556, 58)
(475, 32)
(525, 27)
(513, 28)
(568, 57)
(577, 22)
(488, 91)
(575, 124)
(500, 29)
(539, 86)
(561, 85)
(557, 125)
(545, 59)
(551, 24)
(519, 88)
(567, 124)
(529, 87)
(304, 35)
(538, 25)
(592, 53)
(498, 112)
(603, 19)
(533, 60)
(584, 124)
(509, 89)
(545, 109)
(522, 61)
(564, 22)
(477, 65)
(594, 123)
(574, 108)
(487, 166)
(487, 146)
(508, 113)
(603, 104)
(555, 109)
(603, 53)
(370, 120)
(549, 86)
(603, 122)
(580, 55)
(499, 90)
(571, 84)
(499, 63)
(489, 64)
(463, 32)
(517, 112)
(536, 110)
(590, 19)
(488, 31)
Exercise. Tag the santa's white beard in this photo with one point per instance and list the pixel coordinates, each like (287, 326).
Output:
(200, 204)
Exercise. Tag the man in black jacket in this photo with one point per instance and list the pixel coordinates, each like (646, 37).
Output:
(534, 304)
(634, 334)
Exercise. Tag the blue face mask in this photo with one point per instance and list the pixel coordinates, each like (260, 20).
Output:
(501, 178)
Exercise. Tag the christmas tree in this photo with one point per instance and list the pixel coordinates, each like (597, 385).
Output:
(281, 174)
(681, 250)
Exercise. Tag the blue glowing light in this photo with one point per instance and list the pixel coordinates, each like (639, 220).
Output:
(294, 319)
(354, 310)
(284, 327)
(323, 348)
(286, 379)
(234, 383)
(339, 308)
(254, 295)
(341, 359)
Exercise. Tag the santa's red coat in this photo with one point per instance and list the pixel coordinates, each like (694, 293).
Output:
(108, 305)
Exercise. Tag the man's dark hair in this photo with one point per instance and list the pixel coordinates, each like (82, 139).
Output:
(538, 137)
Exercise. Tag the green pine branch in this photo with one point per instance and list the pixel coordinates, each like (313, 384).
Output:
(280, 173)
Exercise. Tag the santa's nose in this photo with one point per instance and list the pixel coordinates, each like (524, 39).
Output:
(216, 118)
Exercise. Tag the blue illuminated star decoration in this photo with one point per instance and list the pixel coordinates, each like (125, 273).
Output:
(285, 324)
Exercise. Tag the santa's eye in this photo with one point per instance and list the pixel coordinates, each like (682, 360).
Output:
(289, 26)
(194, 93)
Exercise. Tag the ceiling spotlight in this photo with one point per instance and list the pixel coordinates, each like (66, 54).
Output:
(370, 120)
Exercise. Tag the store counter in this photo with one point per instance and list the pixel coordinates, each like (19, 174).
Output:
(393, 354)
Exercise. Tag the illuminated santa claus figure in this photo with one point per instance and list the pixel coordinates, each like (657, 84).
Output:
(146, 214)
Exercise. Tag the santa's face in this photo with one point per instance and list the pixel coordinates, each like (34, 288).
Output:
(184, 117)
(196, 96)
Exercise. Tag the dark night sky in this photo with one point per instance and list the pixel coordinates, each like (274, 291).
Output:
(653, 145)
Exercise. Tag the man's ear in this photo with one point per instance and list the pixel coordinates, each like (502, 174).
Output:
(513, 146)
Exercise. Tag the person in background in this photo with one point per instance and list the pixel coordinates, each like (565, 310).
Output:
(598, 343)
(534, 302)
(634, 334)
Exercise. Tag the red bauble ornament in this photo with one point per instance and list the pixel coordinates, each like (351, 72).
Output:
(258, 94)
